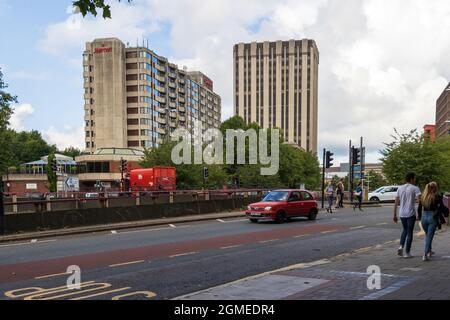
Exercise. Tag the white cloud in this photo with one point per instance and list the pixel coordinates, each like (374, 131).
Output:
(69, 136)
(21, 113)
(382, 63)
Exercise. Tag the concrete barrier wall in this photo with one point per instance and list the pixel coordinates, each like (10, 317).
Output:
(29, 222)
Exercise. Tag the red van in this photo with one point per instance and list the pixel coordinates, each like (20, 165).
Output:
(280, 205)
(153, 179)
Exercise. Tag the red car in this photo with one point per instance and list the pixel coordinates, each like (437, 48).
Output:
(280, 205)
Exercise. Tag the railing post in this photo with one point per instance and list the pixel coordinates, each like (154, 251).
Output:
(48, 203)
(171, 197)
(106, 200)
(138, 199)
(207, 195)
(15, 206)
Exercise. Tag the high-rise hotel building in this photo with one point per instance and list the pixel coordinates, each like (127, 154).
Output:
(134, 98)
(276, 86)
(443, 114)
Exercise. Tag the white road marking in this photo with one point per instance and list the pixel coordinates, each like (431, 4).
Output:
(27, 243)
(126, 263)
(220, 220)
(267, 241)
(356, 228)
(382, 224)
(412, 269)
(154, 229)
(172, 225)
(33, 241)
(330, 231)
(231, 247)
(114, 232)
(183, 254)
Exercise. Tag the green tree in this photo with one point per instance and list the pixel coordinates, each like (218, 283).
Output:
(91, 7)
(51, 175)
(6, 157)
(71, 152)
(412, 152)
(376, 180)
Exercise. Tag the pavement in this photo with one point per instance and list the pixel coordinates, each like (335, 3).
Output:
(322, 259)
(346, 277)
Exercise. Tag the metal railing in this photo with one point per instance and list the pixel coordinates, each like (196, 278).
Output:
(75, 201)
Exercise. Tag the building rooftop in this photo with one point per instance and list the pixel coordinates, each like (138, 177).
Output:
(119, 152)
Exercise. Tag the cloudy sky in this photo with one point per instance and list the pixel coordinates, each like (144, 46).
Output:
(383, 63)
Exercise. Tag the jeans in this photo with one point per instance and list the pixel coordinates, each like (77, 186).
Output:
(408, 231)
(340, 200)
(429, 225)
(330, 202)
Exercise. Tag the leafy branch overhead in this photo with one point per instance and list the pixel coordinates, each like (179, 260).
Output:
(91, 7)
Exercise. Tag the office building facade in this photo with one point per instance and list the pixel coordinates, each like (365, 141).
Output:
(276, 86)
(134, 98)
(443, 114)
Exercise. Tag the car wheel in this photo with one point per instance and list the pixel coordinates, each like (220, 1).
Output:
(254, 220)
(375, 199)
(280, 217)
(312, 215)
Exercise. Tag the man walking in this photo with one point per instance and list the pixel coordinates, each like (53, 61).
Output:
(407, 195)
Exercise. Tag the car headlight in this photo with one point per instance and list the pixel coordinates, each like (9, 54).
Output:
(268, 208)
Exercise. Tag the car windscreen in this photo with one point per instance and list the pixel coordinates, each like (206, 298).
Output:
(379, 190)
(276, 196)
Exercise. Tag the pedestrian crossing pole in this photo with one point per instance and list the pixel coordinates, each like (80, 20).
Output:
(323, 178)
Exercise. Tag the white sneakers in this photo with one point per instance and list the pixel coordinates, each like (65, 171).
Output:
(408, 255)
(400, 252)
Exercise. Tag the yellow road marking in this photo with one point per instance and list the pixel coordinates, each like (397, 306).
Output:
(148, 294)
(230, 247)
(359, 227)
(51, 275)
(183, 254)
(38, 291)
(126, 263)
(97, 286)
(267, 241)
(100, 293)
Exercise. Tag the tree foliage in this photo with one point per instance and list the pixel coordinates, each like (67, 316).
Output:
(71, 152)
(376, 180)
(296, 166)
(92, 7)
(51, 175)
(413, 152)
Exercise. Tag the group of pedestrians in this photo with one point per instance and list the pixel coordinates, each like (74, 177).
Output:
(340, 190)
(431, 213)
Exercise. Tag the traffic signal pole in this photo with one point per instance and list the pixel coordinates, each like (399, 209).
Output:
(323, 179)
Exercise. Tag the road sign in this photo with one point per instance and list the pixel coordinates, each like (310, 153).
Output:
(71, 184)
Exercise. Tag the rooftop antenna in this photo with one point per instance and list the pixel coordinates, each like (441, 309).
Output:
(147, 44)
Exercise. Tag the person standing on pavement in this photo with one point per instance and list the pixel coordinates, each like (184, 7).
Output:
(340, 194)
(359, 195)
(407, 195)
(431, 212)
(329, 192)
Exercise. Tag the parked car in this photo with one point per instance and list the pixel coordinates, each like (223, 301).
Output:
(280, 205)
(384, 194)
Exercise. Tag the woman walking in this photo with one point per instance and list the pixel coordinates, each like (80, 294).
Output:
(329, 191)
(431, 209)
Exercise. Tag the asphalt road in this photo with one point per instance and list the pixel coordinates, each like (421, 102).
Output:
(167, 262)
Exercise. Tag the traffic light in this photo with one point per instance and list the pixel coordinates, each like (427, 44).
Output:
(123, 165)
(328, 163)
(205, 173)
(356, 155)
(54, 166)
